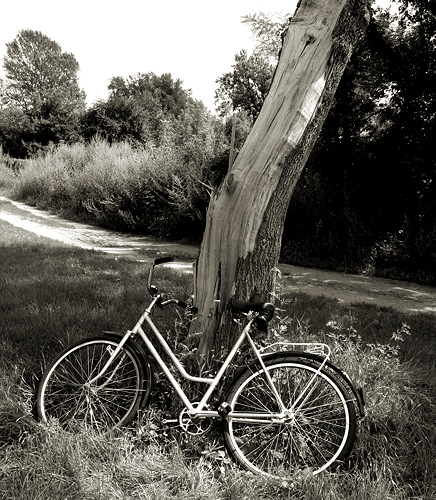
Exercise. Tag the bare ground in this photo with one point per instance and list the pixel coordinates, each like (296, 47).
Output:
(403, 296)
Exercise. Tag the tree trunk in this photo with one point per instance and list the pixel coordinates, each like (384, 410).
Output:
(245, 218)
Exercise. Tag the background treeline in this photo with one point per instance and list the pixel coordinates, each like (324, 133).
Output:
(367, 199)
(147, 158)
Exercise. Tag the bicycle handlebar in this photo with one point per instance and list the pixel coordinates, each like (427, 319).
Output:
(179, 303)
(156, 262)
(154, 291)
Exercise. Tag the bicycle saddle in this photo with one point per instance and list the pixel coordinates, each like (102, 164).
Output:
(265, 310)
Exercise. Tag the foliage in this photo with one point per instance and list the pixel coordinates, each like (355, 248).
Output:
(152, 190)
(145, 108)
(121, 119)
(366, 199)
(15, 128)
(246, 86)
(6, 173)
(267, 30)
(42, 91)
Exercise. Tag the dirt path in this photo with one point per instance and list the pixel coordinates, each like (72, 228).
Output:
(347, 288)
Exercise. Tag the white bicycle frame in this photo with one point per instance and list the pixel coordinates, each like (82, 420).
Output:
(199, 410)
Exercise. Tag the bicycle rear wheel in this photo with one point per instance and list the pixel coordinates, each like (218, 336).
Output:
(64, 392)
(316, 430)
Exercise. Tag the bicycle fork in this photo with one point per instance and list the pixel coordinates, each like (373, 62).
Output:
(113, 355)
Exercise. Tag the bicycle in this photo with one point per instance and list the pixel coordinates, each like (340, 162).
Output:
(286, 412)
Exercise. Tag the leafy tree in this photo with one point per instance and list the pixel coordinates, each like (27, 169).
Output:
(372, 172)
(169, 93)
(41, 81)
(141, 108)
(15, 129)
(267, 30)
(410, 139)
(246, 86)
(119, 119)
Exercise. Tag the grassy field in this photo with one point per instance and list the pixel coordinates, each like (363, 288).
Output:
(51, 295)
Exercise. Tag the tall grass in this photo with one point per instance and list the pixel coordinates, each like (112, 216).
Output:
(6, 177)
(7, 174)
(52, 295)
(153, 190)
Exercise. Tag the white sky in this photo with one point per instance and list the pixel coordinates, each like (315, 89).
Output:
(194, 40)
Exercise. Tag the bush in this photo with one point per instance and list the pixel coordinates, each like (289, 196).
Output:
(153, 190)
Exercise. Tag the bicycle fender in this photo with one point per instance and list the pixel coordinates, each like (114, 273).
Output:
(357, 391)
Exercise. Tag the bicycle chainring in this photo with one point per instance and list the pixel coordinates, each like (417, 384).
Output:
(194, 426)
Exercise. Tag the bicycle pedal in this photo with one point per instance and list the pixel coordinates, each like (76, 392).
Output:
(166, 421)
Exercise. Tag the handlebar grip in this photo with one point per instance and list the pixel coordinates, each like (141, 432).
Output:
(184, 305)
(162, 260)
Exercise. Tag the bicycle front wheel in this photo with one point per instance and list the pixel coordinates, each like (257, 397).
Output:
(314, 429)
(66, 394)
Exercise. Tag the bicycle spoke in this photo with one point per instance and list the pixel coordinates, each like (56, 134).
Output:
(65, 392)
(308, 436)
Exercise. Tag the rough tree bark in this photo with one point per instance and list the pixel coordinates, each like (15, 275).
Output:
(241, 243)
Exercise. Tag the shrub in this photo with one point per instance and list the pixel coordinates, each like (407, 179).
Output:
(152, 190)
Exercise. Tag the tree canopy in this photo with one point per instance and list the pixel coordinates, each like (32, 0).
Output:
(37, 72)
(246, 86)
(267, 30)
(144, 108)
(41, 88)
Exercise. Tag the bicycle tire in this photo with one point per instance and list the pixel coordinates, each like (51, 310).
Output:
(318, 434)
(111, 402)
